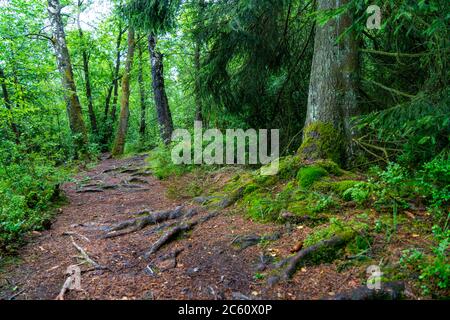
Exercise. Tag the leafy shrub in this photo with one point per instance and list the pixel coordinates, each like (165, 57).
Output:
(26, 192)
(434, 270)
(160, 162)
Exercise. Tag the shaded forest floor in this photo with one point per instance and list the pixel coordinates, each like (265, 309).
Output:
(205, 263)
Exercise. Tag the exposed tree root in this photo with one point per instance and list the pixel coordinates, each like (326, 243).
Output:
(174, 232)
(90, 190)
(388, 291)
(69, 233)
(86, 256)
(235, 196)
(66, 286)
(140, 223)
(292, 263)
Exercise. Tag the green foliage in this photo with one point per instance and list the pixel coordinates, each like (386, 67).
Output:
(336, 227)
(153, 16)
(359, 192)
(308, 175)
(433, 269)
(162, 166)
(27, 190)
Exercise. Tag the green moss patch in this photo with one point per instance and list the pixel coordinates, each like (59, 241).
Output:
(321, 141)
(308, 175)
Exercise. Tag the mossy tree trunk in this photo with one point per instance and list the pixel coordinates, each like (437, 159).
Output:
(74, 112)
(119, 143)
(159, 92)
(332, 99)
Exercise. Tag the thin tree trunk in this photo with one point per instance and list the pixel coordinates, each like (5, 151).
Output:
(87, 80)
(113, 87)
(7, 101)
(142, 94)
(119, 144)
(197, 63)
(332, 99)
(65, 68)
(159, 91)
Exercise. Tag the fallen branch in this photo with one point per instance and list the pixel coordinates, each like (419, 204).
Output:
(140, 223)
(174, 232)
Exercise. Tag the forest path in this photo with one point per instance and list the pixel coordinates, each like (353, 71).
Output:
(202, 264)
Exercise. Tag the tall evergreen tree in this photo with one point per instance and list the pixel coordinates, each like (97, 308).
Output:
(332, 99)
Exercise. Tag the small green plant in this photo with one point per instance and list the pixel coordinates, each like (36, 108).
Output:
(360, 193)
(324, 203)
(259, 276)
(433, 269)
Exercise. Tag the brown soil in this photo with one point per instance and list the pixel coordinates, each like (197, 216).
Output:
(209, 267)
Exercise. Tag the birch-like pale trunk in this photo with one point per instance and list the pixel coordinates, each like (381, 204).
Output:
(73, 105)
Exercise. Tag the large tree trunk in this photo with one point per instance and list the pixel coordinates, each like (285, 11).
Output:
(65, 68)
(332, 99)
(159, 92)
(87, 80)
(122, 129)
(142, 94)
(7, 101)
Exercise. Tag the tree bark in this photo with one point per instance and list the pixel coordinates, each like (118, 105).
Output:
(159, 91)
(142, 94)
(197, 62)
(113, 87)
(122, 129)
(87, 80)
(7, 101)
(74, 111)
(332, 96)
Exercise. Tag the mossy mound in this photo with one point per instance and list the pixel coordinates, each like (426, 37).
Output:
(308, 175)
(321, 141)
(337, 187)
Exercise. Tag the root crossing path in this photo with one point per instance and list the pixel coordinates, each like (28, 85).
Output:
(124, 239)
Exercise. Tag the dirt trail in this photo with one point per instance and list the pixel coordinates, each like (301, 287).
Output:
(208, 265)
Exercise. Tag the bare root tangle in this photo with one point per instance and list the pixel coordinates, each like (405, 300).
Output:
(292, 263)
(140, 223)
(388, 291)
(174, 232)
(86, 256)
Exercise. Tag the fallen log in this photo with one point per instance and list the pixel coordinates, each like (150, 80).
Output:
(140, 223)
(174, 232)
